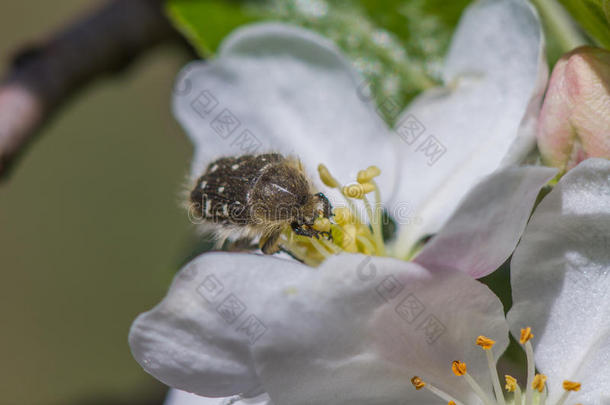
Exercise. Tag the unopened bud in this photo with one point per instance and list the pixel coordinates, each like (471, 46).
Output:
(575, 116)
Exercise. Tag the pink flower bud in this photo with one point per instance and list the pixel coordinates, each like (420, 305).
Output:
(575, 117)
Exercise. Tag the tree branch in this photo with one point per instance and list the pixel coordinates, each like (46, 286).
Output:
(44, 76)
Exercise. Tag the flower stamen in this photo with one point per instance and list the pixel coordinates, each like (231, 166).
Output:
(539, 384)
(346, 231)
(358, 190)
(365, 239)
(326, 177)
(512, 386)
(331, 182)
(365, 176)
(322, 224)
(526, 336)
(486, 344)
(536, 390)
(343, 215)
(568, 386)
(571, 386)
(459, 368)
(376, 225)
(323, 252)
(418, 383)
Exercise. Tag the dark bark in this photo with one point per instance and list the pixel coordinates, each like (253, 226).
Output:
(42, 77)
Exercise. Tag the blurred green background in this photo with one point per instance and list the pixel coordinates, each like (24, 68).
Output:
(90, 228)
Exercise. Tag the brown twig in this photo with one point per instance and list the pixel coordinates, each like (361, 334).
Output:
(44, 76)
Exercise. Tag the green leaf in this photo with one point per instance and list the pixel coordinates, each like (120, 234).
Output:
(593, 16)
(206, 22)
(397, 45)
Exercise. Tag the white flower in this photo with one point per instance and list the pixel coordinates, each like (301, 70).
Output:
(280, 88)
(347, 331)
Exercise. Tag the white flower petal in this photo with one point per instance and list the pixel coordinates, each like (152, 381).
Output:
(284, 89)
(354, 330)
(483, 120)
(185, 344)
(485, 228)
(344, 343)
(177, 397)
(561, 283)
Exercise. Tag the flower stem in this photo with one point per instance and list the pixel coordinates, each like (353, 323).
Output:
(560, 24)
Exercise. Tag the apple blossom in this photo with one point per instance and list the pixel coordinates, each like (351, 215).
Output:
(249, 326)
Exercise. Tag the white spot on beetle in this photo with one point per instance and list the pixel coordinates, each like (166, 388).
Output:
(208, 206)
(225, 210)
(213, 168)
(235, 166)
(221, 189)
(203, 184)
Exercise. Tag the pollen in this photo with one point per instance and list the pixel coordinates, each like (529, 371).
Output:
(526, 335)
(326, 177)
(485, 342)
(365, 176)
(535, 392)
(322, 224)
(571, 386)
(358, 190)
(511, 383)
(459, 368)
(539, 382)
(348, 241)
(349, 229)
(343, 215)
(418, 383)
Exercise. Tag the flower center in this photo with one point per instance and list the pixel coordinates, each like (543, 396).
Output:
(349, 231)
(536, 390)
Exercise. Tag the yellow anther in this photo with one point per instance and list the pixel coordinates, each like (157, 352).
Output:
(526, 335)
(364, 176)
(511, 383)
(326, 177)
(459, 368)
(418, 383)
(343, 215)
(348, 239)
(358, 190)
(322, 224)
(538, 383)
(571, 385)
(485, 342)
(451, 403)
